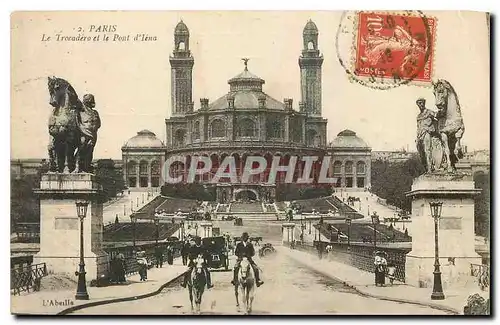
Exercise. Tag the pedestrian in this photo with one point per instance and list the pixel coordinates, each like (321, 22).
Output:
(159, 257)
(380, 269)
(142, 262)
(170, 255)
(120, 268)
(391, 270)
(184, 252)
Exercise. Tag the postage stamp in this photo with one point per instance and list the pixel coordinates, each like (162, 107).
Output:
(393, 48)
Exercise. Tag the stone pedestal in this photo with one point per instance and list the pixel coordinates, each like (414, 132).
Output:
(287, 229)
(206, 229)
(60, 225)
(455, 230)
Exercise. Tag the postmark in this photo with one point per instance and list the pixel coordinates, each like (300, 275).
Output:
(388, 49)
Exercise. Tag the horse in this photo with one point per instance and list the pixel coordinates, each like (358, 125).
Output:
(450, 123)
(63, 126)
(246, 283)
(196, 284)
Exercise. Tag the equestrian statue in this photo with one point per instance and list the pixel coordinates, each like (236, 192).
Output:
(439, 133)
(73, 127)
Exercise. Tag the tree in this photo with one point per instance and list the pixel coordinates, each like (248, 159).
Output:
(482, 204)
(391, 180)
(291, 192)
(193, 191)
(110, 178)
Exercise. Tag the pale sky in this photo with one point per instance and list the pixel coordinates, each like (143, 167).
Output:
(131, 80)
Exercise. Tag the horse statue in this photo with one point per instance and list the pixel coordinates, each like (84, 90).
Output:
(63, 126)
(246, 286)
(196, 284)
(73, 128)
(450, 124)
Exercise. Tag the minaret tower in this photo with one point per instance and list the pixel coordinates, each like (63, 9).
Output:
(310, 63)
(181, 63)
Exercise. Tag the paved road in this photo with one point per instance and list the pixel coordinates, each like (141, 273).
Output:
(289, 289)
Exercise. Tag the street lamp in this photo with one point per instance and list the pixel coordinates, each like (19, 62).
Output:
(348, 222)
(196, 229)
(133, 219)
(81, 291)
(157, 224)
(437, 290)
(375, 221)
(182, 230)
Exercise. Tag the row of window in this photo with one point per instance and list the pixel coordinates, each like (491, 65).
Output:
(244, 128)
(349, 167)
(143, 167)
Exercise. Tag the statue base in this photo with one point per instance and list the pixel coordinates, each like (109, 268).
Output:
(60, 225)
(456, 239)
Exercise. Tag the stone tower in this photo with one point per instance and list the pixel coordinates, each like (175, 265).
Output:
(182, 64)
(310, 63)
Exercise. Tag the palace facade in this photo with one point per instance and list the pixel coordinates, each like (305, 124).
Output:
(246, 121)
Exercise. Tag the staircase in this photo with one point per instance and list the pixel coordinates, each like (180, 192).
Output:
(124, 206)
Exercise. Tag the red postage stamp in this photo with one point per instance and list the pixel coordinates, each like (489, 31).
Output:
(394, 48)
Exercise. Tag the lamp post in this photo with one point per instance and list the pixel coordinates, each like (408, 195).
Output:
(375, 222)
(81, 291)
(348, 221)
(133, 219)
(196, 229)
(437, 289)
(157, 224)
(182, 230)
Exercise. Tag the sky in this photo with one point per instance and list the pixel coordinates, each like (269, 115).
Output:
(131, 80)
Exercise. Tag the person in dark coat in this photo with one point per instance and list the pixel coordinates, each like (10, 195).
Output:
(245, 249)
(159, 257)
(170, 255)
(193, 252)
(184, 252)
(120, 268)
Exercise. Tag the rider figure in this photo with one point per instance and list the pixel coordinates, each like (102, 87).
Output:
(193, 253)
(245, 249)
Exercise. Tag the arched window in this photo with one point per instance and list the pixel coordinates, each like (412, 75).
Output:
(143, 167)
(155, 173)
(181, 46)
(143, 173)
(196, 130)
(131, 166)
(310, 45)
(275, 129)
(180, 137)
(217, 129)
(312, 138)
(361, 167)
(337, 167)
(246, 128)
(349, 167)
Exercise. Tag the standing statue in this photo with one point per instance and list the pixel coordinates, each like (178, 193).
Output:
(450, 123)
(63, 129)
(88, 123)
(428, 140)
(73, 128)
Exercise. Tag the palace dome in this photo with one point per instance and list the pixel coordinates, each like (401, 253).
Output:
(144, 139)
(348, 139)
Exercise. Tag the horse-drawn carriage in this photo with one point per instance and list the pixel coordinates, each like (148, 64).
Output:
(238, 222)
(266, 249)
(218, 256)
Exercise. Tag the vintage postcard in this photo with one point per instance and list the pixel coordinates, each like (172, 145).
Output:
(250, 162)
